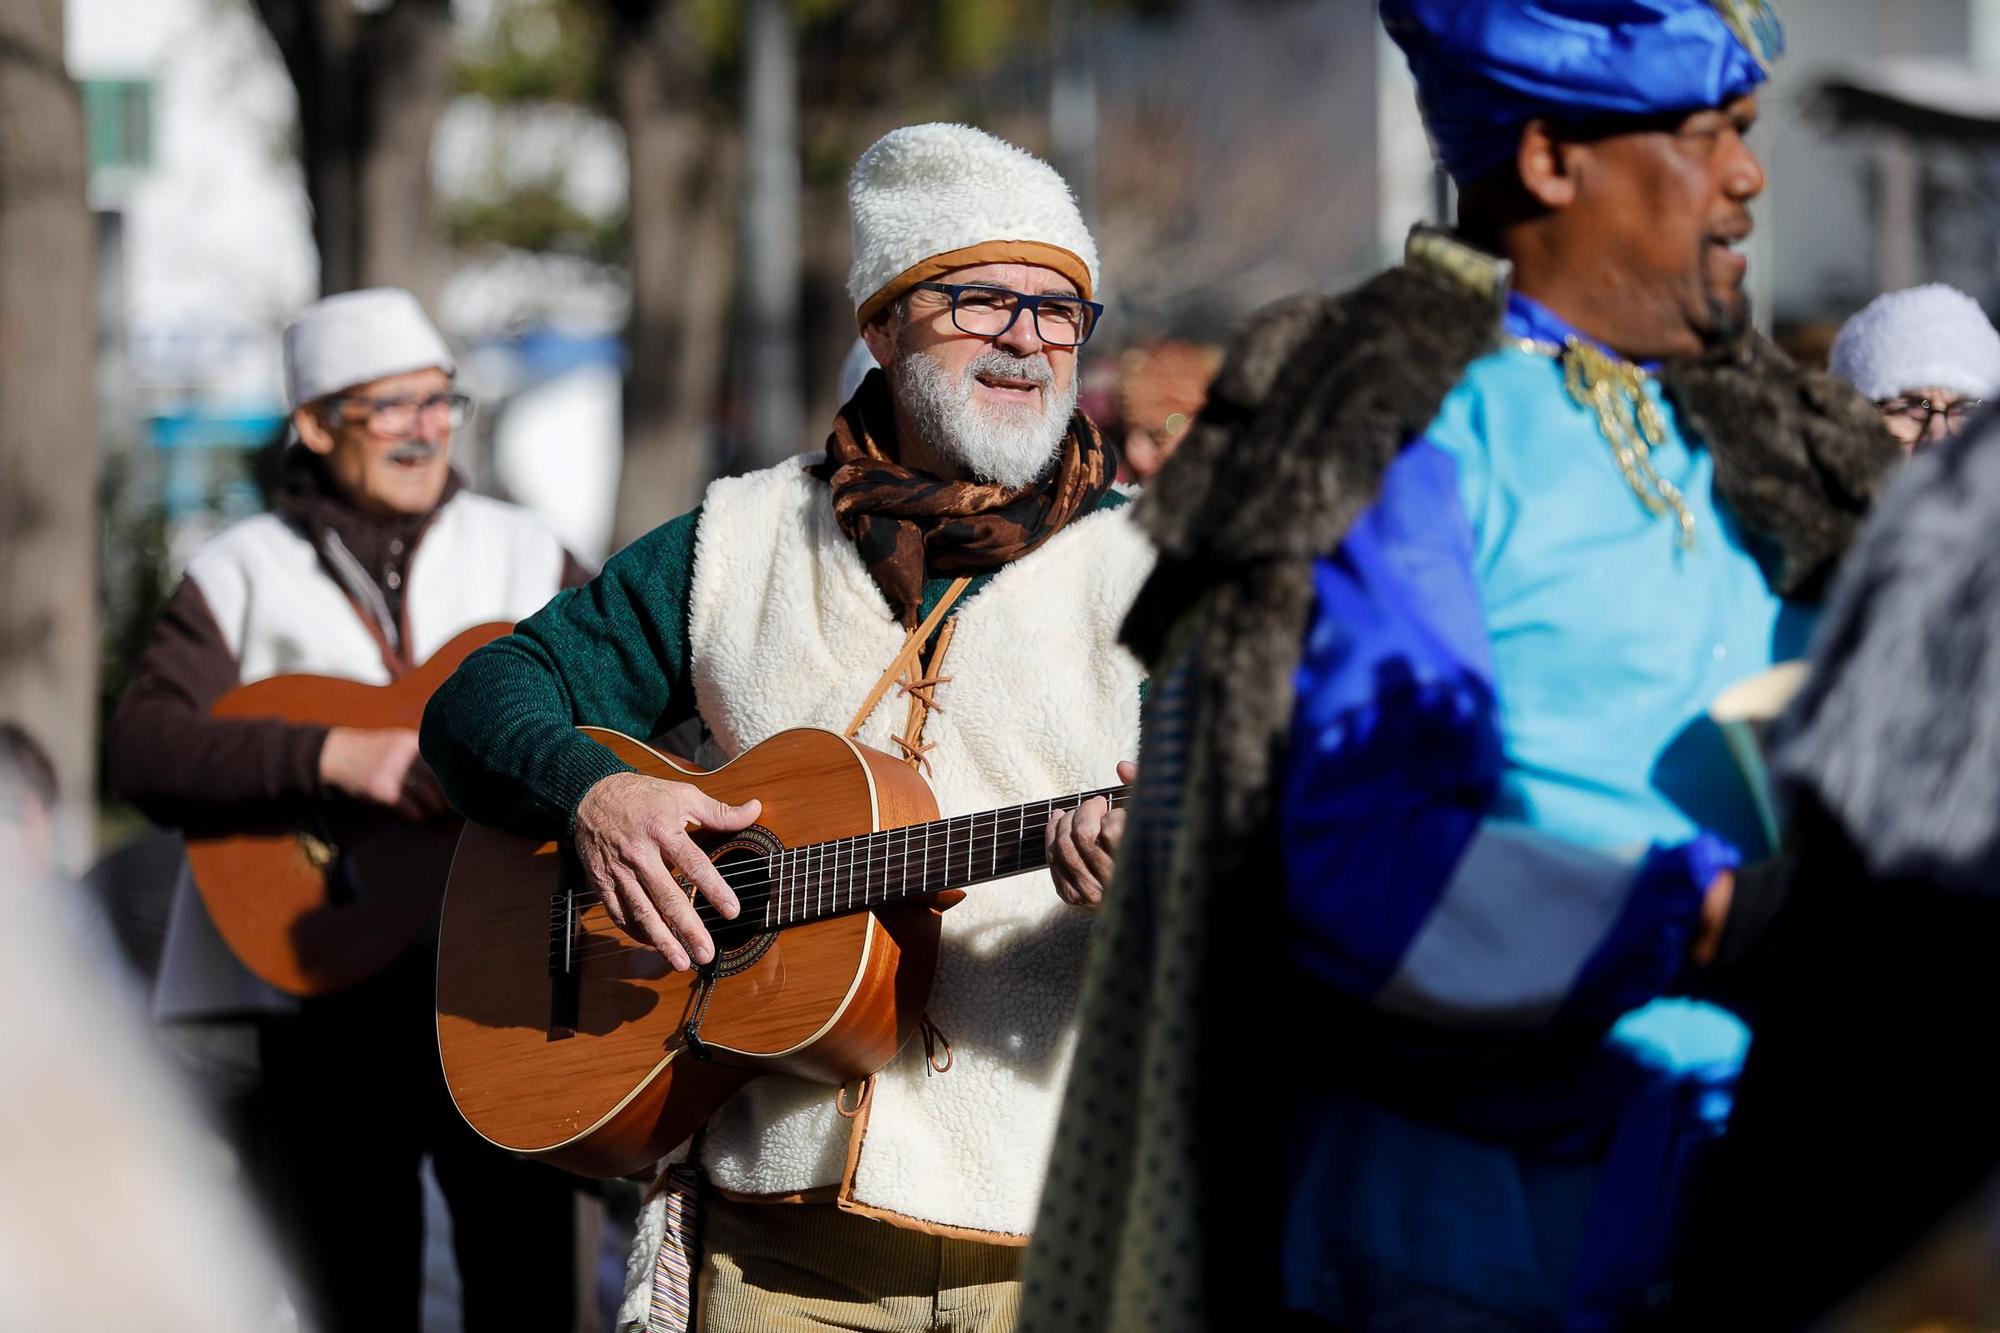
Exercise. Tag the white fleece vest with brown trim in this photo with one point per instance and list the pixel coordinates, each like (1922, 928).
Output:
(280, 611)
(787, 629)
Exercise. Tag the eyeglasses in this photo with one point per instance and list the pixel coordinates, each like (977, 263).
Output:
(988, 312)
(1919, 411)
(399, 416)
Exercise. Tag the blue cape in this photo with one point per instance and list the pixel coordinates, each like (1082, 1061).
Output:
(1484, 68)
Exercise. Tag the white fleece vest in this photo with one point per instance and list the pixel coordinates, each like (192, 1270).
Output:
(787, 629)
(280, 612)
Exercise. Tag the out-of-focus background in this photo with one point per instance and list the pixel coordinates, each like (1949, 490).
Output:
(630, 216)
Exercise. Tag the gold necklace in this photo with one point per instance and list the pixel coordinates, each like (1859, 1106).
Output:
(1631, 422)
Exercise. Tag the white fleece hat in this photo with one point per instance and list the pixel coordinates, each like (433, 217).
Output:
(927, 199)
(355, 337)
(1932, 336)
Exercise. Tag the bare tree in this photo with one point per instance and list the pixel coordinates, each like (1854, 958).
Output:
(681, 225)
(371, 89)
(771, 231)
(48, 449)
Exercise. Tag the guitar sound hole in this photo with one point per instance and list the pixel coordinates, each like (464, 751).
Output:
(746, 869)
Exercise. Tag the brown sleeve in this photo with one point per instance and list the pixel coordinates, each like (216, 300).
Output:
(183, 768)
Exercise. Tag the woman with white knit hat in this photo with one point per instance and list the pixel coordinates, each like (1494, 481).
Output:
(959, 468)
(1927, 355)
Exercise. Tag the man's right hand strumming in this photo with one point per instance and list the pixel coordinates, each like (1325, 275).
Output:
(632, 835)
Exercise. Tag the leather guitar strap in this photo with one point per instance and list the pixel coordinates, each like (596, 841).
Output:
(916, 682)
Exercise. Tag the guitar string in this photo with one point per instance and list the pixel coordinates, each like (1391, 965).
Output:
(790, 887)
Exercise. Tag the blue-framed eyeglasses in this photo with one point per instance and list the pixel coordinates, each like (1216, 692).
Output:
(988, 312)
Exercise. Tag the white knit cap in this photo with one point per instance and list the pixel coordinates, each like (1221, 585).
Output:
(355, 337)
(1922, 337)
(927, 199)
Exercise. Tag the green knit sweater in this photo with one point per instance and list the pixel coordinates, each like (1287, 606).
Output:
(501, 733)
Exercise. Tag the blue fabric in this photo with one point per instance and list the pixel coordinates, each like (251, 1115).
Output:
(1684, 1059)
(1395, 731)
(1396, 759)
(1484, 68)
(1507, 635)
(1609, 640)
(1646, 950)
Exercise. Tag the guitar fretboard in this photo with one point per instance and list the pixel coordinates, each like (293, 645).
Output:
(851, 874)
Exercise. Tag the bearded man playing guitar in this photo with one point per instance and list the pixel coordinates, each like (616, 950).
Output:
(373, 558)
(961, 481)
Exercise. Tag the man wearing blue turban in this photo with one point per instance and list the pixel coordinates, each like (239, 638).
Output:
(1452, 567)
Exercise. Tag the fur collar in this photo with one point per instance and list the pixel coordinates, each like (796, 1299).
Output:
(1894, 733)
(1320, 394)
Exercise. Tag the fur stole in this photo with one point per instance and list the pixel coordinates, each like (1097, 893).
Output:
(1895, 733)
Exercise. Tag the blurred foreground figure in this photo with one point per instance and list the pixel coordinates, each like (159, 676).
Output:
(27, 805)
(1161, 386)
(1859, 1129)
(374, 557)
(1927, 356)
(1431, 826)
(110, 1215)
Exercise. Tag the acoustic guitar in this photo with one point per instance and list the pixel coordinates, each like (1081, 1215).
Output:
(330, 896)
(567, 1040)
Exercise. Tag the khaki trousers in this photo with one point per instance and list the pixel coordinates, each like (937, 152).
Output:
(786, 1267)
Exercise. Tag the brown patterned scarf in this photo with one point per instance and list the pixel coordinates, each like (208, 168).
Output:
(906, 524)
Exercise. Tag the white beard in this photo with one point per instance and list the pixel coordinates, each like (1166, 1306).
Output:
(1010, 446)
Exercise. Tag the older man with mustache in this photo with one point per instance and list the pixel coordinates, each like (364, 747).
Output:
(374, 556)
(959, 469)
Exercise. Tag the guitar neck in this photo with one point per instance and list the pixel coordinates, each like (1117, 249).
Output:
(876, 869)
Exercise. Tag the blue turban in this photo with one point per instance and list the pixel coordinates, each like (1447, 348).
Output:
(1485, 68)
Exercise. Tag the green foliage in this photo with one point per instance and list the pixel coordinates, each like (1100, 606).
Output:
(541, 50)
(537, 51)
(974, 36)
(534, 217)
(718, 25)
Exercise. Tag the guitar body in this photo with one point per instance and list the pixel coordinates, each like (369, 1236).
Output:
(588, 1066)
(319, 908)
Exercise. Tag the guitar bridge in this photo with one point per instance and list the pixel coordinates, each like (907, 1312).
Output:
(565, 982)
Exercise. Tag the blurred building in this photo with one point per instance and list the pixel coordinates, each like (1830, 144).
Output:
(1881, 173)
(1229, 151)
(206, 251)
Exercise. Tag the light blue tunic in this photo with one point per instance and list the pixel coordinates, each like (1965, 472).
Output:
(1609, 638)
(1504, 803)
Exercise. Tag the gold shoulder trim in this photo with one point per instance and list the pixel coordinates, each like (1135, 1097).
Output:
(1485, 276)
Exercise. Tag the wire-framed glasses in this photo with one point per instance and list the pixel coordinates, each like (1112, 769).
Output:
(399, 416)
(1918, 412)
(988, 312)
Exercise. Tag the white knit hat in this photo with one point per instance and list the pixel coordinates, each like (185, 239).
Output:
(1922, 337)
(355, 337)
(927, 199)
